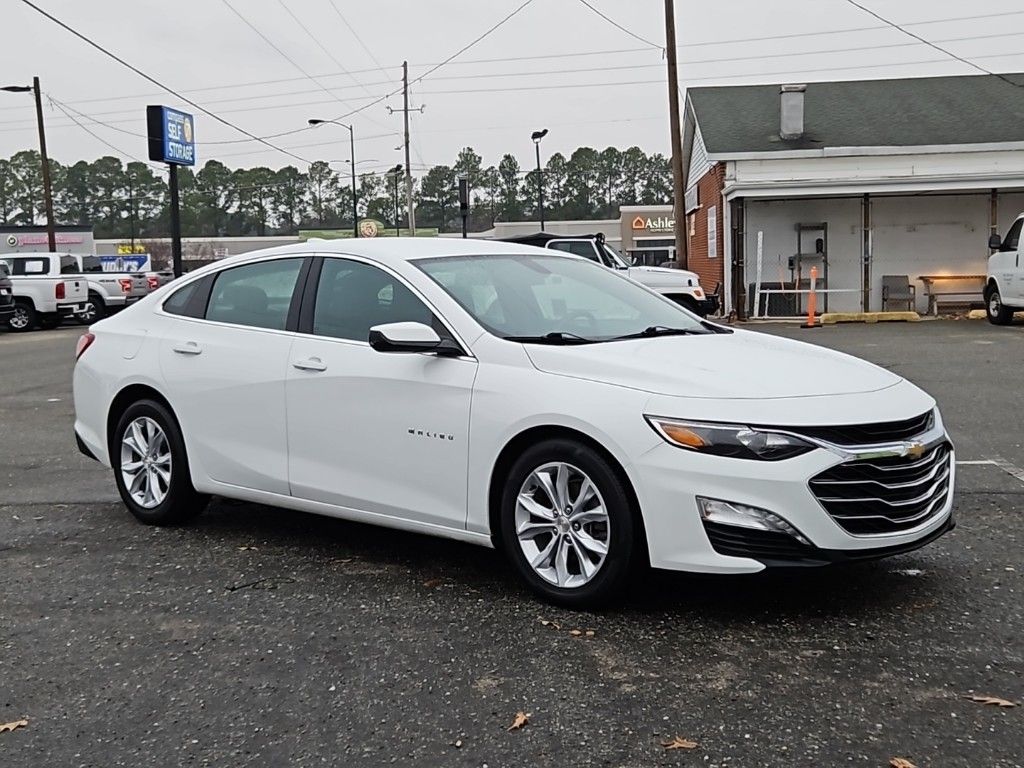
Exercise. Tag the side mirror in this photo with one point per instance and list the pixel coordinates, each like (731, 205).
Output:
(404, 337)
(995, 242)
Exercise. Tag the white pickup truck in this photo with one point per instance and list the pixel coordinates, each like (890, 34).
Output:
(109, 291)
(680, 286)
(43, 297)
(1004, 282)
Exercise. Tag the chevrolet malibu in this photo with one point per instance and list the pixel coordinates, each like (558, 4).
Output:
(510, 397)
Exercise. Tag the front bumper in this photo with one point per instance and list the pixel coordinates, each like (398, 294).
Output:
(669, 480)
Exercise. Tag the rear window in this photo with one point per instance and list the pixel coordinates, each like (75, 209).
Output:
(68, 265)
(23, 265)
(190, 300)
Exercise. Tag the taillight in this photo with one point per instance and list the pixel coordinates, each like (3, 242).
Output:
(126, 284)
(58, 291)
(84, 342)
(154, 283)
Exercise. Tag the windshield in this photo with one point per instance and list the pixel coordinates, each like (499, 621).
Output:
(556, 299)
(613, 256)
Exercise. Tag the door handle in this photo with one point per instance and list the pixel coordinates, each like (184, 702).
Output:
(191, 348)
(312, 364)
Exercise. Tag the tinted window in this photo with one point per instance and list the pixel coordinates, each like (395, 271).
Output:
(257, 295)
(1013, 236)
(352, 297)
(92, 264)
(576, 247)
(4, 269)
(178, 303)
(68, 265)
(24, 266)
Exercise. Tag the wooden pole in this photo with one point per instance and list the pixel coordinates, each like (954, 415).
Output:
(678, 178)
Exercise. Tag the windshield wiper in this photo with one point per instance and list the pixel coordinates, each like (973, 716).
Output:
(661, 330)
(555, 337)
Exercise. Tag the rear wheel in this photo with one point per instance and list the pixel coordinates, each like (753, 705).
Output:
(24, 317)
(997, 312)
(567, 524)
(147, 453)
(95, 310)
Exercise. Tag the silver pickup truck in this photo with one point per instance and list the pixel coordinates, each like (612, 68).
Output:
(108, 291)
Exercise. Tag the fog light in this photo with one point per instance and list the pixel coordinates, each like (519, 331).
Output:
(742, 516)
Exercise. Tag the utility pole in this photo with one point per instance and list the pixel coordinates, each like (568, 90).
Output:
(678, 179)
(131, 211)
(51, 230)
(408, 167)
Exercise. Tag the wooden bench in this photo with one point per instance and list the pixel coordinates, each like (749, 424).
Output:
(952, 289)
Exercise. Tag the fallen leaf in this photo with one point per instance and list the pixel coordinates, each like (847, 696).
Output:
(992, 701)
(433, 583)
(245, 548)
(552, 624)
(521, 719)
(12, 725)
(589, 633)
(575, 632)
(679, 743)
(901, 762)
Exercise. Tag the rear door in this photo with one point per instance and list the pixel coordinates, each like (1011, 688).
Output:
(224, 358)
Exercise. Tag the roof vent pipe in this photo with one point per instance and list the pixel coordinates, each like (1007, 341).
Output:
(791, 111)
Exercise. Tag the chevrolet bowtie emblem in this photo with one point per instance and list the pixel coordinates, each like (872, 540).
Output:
(915, 450)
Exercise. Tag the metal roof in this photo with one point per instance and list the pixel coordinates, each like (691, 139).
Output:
(905, 112)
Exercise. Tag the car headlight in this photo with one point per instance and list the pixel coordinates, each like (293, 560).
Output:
(733, 440)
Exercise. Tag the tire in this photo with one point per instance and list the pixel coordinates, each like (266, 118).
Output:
(24, 317)
(49, 321)
(997, 312)
(577, 533)
(152, 499)
(95, 309)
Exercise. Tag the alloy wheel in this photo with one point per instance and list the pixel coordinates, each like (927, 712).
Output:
(19, 320)
(146, 462)
(994, 305)
(90, 314)
(562, 525)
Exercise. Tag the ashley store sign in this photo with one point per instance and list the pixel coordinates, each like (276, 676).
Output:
(658, 224)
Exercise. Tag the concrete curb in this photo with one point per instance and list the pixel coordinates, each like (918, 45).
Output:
(831, 318)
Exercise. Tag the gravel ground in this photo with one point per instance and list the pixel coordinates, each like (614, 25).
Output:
(259, 636)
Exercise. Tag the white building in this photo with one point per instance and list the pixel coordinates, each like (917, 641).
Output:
(878, 177)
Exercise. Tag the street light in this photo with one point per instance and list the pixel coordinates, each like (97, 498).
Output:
(352, 148)
(51, 231)
(396, 172)
(537, 136)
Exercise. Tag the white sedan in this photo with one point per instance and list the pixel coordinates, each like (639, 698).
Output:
(507, 396)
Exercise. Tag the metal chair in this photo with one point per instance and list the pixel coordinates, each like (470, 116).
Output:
(897, 289)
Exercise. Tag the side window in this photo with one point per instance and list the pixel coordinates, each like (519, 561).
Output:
(68, 265)
(190, 300)
(582, 248)
(256, 295)
(352, 297)
(1012, 239)
(29, 267)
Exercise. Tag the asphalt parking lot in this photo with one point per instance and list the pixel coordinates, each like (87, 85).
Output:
(263, 637)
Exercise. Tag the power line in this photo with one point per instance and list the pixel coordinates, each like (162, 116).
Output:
(96, 136)
(157, 83)
(622, 28)
(357, 37)
(930, 44)
(284, 55)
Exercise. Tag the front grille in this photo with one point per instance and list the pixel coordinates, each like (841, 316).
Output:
(877, 496)
(870, 434)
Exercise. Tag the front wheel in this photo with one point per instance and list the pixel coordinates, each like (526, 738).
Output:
(147, 453)
(997, 312)
(567, 524)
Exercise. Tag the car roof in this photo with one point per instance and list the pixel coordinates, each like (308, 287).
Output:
(392, 250)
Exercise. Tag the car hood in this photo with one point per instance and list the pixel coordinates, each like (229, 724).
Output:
(663, 277)
(739, 365)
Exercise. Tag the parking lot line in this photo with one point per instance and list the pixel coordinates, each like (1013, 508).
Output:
(1015, 472)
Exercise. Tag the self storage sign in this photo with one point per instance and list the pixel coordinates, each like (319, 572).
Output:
(171, 135)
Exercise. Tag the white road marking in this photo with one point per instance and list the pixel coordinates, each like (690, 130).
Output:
(53, 399)
(1013, 471)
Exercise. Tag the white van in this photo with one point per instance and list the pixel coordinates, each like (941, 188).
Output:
(1004, 283)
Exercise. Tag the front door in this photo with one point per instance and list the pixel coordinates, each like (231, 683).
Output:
(224, 369)
(378, 432)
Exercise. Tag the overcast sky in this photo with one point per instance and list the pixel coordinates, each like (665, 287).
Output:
(612, 93)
